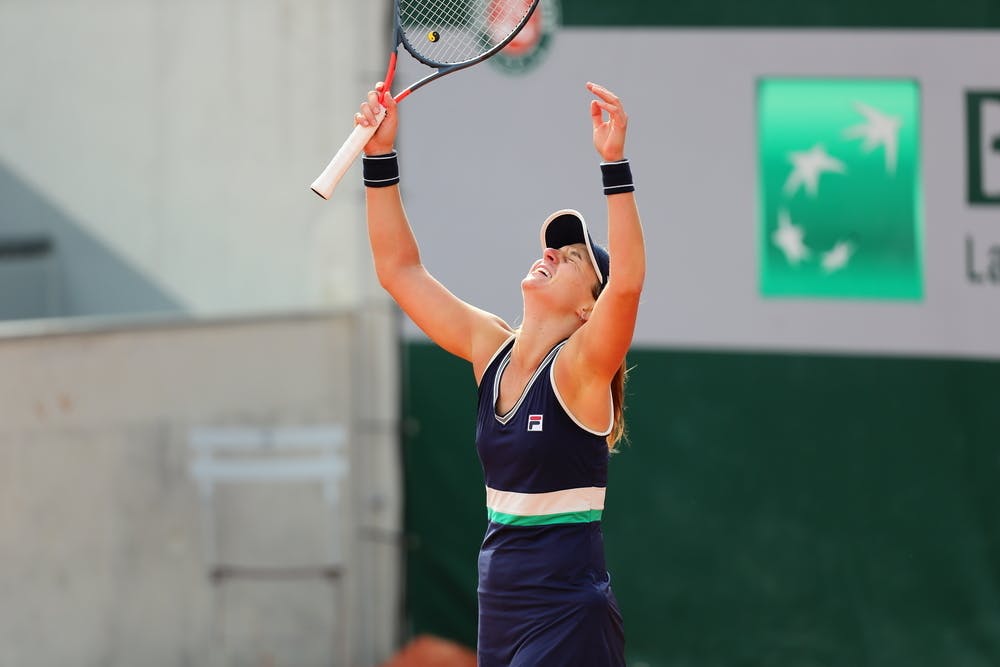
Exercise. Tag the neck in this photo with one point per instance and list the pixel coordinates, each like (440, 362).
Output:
(537, 336)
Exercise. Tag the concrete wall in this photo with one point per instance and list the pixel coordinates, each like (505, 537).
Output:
(102, 527)
(168, 148)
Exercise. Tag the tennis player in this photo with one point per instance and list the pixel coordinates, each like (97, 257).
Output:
(550, 402)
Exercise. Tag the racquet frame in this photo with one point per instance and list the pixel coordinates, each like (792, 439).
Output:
(327, 181)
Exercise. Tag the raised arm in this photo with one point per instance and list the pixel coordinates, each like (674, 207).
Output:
(458, 327)
(598, 349)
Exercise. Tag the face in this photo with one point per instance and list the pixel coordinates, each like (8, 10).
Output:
(565, 275)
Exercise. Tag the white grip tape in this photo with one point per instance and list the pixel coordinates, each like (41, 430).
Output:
(345, 157)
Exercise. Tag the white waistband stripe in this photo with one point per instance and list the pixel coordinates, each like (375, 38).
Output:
(582, 499)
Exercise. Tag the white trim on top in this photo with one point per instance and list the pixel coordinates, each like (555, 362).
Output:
(503, 419)
(498, 351)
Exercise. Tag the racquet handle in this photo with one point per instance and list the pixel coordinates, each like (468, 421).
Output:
(325, 184)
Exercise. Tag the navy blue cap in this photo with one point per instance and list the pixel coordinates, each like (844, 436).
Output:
(567, 227)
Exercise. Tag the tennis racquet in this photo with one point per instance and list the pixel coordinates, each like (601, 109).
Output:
(447, 35)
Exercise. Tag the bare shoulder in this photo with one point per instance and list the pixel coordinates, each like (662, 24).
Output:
(576, 368)
(488, 341)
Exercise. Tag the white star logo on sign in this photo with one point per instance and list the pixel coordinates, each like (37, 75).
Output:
(837, 257)
(808, 166)
(788, 238)
(879, 130)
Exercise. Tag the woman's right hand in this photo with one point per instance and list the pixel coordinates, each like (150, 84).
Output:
(609, 135)
(385, 137)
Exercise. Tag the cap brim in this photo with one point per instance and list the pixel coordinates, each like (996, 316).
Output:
(567, 227)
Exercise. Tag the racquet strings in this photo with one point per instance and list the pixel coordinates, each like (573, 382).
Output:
(447, 32)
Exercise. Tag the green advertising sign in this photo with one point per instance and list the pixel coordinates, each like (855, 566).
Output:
(840, 202)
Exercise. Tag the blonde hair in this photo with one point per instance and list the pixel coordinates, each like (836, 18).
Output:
(618, 407)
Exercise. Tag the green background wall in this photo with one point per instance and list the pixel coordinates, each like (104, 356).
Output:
(771, 509)
(783, 13)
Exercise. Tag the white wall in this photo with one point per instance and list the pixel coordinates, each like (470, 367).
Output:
(691, 99)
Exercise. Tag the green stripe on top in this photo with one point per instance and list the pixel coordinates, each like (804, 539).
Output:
(544, 519)
(781, 14)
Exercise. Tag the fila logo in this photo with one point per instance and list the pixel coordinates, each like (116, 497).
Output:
(534, 422)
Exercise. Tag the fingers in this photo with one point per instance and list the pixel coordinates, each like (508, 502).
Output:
(596, 114)
(614, 111)
(608, 102)
(610, 108)
(371, 107)
(388, 101)
(604, 93)
(601, 91)
(385, 96)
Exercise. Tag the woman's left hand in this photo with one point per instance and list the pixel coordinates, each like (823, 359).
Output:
(609, 135)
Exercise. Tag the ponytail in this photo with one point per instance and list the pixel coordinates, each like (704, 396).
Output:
(618, 407)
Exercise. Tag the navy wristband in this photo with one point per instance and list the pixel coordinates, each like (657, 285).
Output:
(381, 171)
(617, 177)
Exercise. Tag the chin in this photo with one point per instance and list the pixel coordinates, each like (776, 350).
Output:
(530, 282)
(531, 290)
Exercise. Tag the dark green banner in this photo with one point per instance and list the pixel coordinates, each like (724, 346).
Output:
(783, 14)
(776, 510)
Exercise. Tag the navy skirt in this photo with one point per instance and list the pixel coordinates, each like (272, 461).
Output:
(545, 599)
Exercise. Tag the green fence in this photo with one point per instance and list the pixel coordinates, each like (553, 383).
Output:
(770, 510)
(783, 13)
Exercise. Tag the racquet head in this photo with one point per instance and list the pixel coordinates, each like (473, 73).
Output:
(448, 35)
(444, 33)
